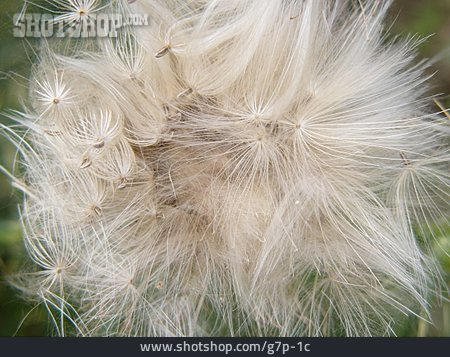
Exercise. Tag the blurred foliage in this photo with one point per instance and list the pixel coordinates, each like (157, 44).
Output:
(14, 67)
(22, 319)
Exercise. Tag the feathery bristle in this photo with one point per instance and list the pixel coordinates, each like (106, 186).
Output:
(238, 167)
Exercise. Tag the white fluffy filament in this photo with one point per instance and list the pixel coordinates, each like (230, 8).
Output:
(235, 167)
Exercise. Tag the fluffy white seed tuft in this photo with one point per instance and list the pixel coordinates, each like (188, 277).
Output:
(235, 167)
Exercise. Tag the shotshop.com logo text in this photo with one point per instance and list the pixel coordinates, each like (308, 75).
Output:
(94, 25)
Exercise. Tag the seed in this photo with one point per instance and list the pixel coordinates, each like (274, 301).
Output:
(52, 132)
(405, 160)
(85, 163)
(97, 210)
(185, 93)
(163, 51)
(99, 144)
(122, 183)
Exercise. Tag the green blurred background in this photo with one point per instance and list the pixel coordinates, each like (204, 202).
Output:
(18, 318)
